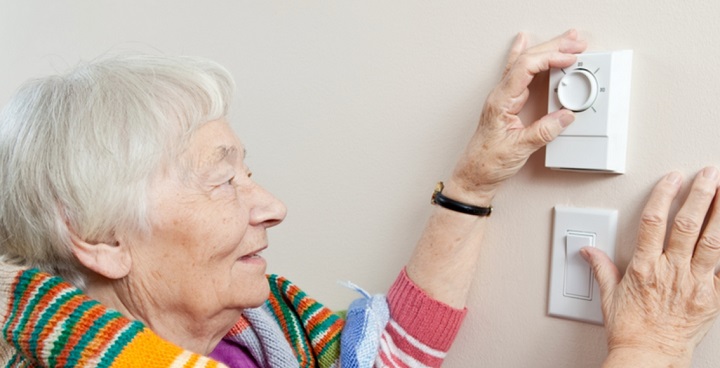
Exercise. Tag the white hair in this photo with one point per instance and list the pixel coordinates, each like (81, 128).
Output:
(78, 151)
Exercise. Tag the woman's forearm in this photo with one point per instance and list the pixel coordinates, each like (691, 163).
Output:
(446, 256)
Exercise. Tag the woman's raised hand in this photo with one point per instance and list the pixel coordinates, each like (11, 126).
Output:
(502, 143)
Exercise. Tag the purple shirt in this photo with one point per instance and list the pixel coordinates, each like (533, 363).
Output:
(233, 355)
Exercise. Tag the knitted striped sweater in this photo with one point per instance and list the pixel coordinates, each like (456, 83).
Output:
(48, 323)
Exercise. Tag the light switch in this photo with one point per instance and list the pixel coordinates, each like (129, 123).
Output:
(578, 276)
(597, 88)
(574, 293)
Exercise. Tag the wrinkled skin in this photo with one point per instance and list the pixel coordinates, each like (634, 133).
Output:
(670, 295)
(445, 260)
(502, 143)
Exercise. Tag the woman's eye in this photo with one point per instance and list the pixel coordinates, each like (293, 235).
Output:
(231, 181)
(249, 174)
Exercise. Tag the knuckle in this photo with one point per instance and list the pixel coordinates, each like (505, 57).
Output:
(545, 135)
(652, 219)
(508, 66)
(710, 241)
(686, 225)
(639, 272)
(528, 64)
(703, 191)
(493, 103)
(701, 301)
(523, 59)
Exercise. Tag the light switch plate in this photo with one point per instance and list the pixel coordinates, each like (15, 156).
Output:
(597, 87)
(574, 293)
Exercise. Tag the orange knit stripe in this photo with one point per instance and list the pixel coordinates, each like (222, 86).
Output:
(320, 316)
(24, 300)
(41, 305)
(298, 347)
(293, 293)
(191, 362)
(57, 318)
(214, 364)
(147, 350)
(83, 324)
(239, 327)
(35, 316)
(278, 312)
(105, 336)
(332, 332)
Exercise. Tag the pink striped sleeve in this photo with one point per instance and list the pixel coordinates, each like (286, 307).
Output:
(421, 329)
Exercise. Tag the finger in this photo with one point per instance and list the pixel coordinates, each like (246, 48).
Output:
(689, 220)
(516, 49)
(653, 221)
(707, 252)
(545, 130)
(567, 42)
(527, 65)
(522, 65)
(606, 273)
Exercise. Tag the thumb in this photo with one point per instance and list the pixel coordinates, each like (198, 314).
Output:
(605, 271)
(547, 128)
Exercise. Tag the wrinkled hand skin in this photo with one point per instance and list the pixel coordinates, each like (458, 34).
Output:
(502, 143)
(670, 295)
(445, 260)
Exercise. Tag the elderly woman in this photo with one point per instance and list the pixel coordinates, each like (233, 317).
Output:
(124, 179)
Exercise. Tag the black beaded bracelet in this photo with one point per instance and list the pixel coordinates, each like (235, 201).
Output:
(453, 205)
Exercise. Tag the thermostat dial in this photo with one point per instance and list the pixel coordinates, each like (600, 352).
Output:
(577, 90)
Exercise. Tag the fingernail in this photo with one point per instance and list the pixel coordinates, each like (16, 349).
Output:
(710, 173)
(585, 254)
(566, 118)
(673, 177)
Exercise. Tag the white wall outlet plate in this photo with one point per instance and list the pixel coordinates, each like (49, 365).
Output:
(574, 293)
(597, 89)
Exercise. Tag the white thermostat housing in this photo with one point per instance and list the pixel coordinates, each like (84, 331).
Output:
(597, 89)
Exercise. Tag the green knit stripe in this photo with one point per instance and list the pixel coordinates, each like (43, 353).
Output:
(120, 342)
(48, 318)
(19, 287)
(48, 315)
(320, 327)
(14, 360)
(100, 320)
(59, 351)
(289, 322)
(330, 352)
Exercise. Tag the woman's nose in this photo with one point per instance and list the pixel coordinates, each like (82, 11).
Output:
(267, 210)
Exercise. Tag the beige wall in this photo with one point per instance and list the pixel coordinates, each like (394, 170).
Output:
(352, 110)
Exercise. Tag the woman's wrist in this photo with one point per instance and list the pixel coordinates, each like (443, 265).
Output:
(646, 358)
(457, 190)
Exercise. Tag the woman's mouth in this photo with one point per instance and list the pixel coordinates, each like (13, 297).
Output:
(252, 256)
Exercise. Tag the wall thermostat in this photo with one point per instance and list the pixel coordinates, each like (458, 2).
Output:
(597, 89)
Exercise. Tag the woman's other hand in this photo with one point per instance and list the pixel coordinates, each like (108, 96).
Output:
(670, 295)
(502, 143)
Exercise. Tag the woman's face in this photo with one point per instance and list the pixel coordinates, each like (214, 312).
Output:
(208, 227)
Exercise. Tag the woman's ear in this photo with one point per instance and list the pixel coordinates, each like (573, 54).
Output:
(111, 260)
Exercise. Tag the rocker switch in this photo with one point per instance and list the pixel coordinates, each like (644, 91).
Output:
(578, 276)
